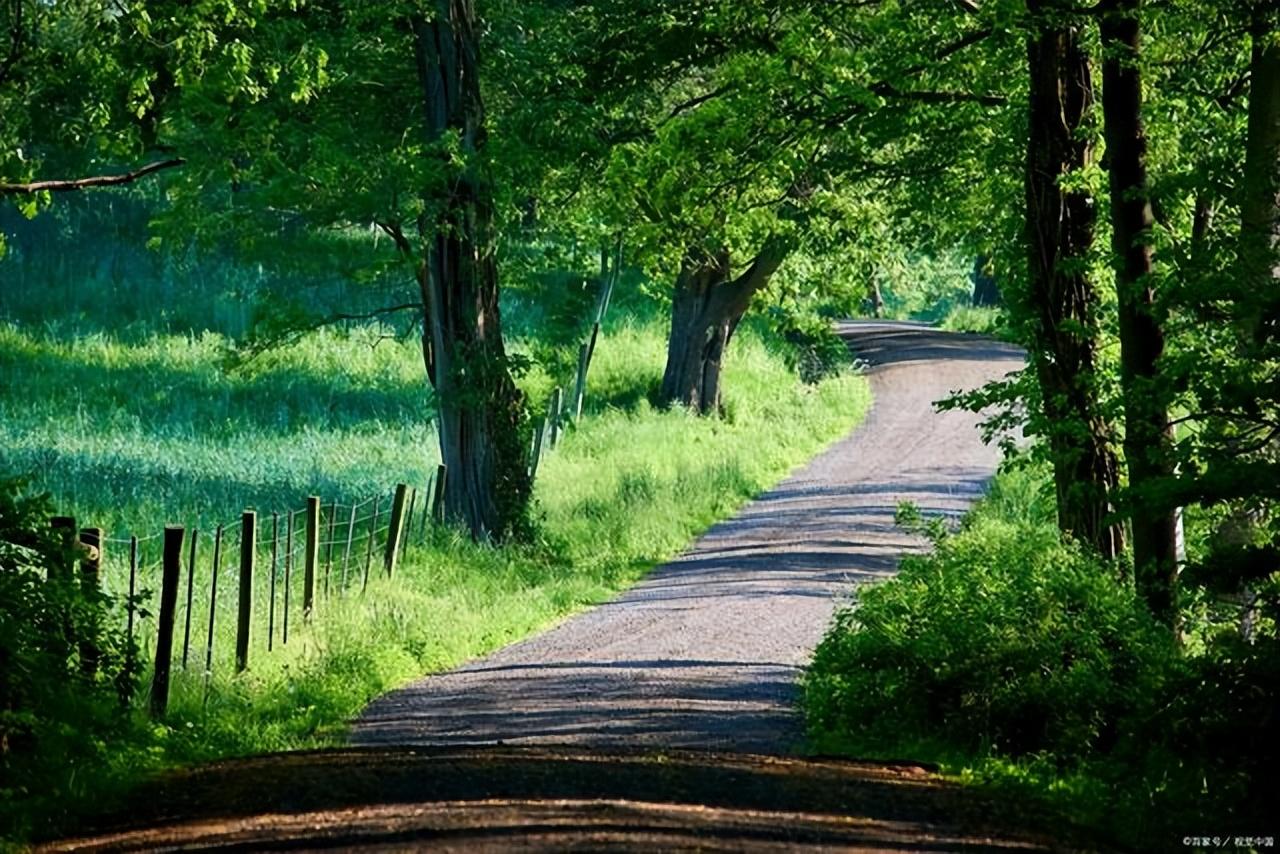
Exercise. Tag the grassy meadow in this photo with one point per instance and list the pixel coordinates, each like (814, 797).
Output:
(133, 427)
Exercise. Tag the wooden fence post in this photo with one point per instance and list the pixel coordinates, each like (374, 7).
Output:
(312, 549)
(553, 414)
(427, 492)
(248, 556)
(408, 519)
(395, 527)
(130, 607)
(213, 607)
(537, 449)
(90, 580)
(271, 586)
(346, 555)
(580, 389)
(288, 575)
(171, 576)
(442, 477)
(591, 345)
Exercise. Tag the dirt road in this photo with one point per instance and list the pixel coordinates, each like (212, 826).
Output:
(663, 720)
(706, 651)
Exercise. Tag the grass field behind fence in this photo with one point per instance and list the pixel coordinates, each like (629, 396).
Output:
(130, 432)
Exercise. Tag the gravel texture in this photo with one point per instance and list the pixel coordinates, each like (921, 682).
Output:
(706, 651)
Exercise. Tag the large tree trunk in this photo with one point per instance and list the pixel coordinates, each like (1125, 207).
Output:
(1148, 438)
(1259, 250)
(705, 309)
(479, 407)
(1060, 227)
(1260, 206)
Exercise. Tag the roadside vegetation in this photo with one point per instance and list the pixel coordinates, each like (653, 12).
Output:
(1019, 663)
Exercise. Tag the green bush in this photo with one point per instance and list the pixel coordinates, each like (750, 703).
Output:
(814, 349)
(57, 706)
(1004, 640)
(1025, 664)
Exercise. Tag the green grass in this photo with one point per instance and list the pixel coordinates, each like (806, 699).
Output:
(969, 318)
(130, 432)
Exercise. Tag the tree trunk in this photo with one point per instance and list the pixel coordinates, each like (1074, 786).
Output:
(986, 292)
(705, 309)
(1260, 206)
(1259, 248)
(1060, 226)
(1201, 224)
(479, 407)
(1148, 439)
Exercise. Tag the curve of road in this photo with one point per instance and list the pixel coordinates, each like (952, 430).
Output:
(639, 725)
(706, 651)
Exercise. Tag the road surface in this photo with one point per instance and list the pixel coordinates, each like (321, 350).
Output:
(706, 651)
(664, 720)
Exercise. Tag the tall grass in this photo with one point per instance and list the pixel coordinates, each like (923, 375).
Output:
(130, 435)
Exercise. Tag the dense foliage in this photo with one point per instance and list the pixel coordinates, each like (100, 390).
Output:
(67, 672)
(1017, 659)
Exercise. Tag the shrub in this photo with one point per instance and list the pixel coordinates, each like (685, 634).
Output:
(54, 708)
(1003, 640)
(814, 349)
(1026, 664)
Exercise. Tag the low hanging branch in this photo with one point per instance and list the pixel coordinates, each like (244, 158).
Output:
(72, 185)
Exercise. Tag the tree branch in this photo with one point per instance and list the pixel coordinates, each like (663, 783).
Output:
(396, 233)
(952, 49)
(73, 185)
(888, 90)
(698, 101)
(259, 345)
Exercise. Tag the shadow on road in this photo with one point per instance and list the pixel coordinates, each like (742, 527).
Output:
(556, 800)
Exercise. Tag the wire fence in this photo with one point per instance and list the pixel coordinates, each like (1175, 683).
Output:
(199, 601)
(202, 601)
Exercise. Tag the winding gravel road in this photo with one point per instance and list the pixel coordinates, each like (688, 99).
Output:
(705, 653)
(655, 722)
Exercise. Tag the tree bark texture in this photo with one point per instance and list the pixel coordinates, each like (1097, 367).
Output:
(705, 309)
(1260, 205)
(479, 407)
(1060, 228)
(1148, 439)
